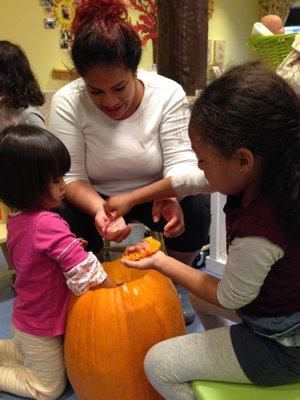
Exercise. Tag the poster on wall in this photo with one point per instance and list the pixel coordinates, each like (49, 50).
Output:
(60, 13)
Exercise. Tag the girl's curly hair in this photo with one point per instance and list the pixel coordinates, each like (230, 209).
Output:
(252, 107)
(18, 86)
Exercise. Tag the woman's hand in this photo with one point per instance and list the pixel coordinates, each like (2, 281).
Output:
(111, 228)
(150, 262)
(171, 211)
(119, 204)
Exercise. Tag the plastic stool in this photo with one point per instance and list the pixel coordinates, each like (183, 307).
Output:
(210, 390)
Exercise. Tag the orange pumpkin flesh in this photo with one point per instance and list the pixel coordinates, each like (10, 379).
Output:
(109, 332)
(149, 246)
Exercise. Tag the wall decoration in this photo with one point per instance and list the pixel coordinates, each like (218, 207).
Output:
(60, 13)
(47, 4)
(49, 23)
(64, 11)
(211, 8)
(146, 25)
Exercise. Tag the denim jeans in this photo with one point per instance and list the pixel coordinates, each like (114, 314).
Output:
(285, 330)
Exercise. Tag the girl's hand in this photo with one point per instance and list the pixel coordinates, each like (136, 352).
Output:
(83, 242)
(119, 204)
(171, 211)
(140, 248)
(111, 228)
(150, 262)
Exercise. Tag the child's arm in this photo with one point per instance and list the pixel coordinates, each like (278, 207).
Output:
(87, 274)
(249, 261)
(122, 203)
(107, 283)
(82, 270)
(180, 185)
(197, 282)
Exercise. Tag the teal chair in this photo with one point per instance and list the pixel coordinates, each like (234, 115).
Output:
(210, 390)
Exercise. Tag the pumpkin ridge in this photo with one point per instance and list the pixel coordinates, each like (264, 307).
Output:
(109, 332)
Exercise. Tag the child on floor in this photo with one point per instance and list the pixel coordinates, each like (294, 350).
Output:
(245, 130)
(20, 94)
(49, 260)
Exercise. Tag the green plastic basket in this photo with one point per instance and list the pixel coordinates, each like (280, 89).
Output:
(271, 49)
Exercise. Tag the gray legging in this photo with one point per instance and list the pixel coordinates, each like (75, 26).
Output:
(208, 355)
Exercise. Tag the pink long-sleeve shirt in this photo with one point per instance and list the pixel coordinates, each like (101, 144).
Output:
(42, 249)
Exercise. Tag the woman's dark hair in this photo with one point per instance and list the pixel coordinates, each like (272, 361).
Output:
(103, 37)
(30, 158)
(252, 107)
(18, 86)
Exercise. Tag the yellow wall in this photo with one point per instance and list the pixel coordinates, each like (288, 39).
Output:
(147, 59)
(21, 21)
(232, 22)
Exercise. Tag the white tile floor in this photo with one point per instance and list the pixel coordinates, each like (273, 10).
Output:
(7, 296)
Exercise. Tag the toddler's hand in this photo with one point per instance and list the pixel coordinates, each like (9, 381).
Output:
(111, 228)
(83, 242)
(117, 230)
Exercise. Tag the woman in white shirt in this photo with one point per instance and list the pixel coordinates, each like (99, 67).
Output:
(124, 129)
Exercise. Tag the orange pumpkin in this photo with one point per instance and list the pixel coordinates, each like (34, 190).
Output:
(109, 332)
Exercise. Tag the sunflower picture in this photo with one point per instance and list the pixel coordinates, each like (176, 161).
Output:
(64, 11)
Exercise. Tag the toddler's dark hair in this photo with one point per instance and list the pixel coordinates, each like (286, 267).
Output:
(18, 86)
(30, 158)
(250, 106)
(103, 37)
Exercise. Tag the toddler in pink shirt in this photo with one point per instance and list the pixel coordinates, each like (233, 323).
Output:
(49, 260)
